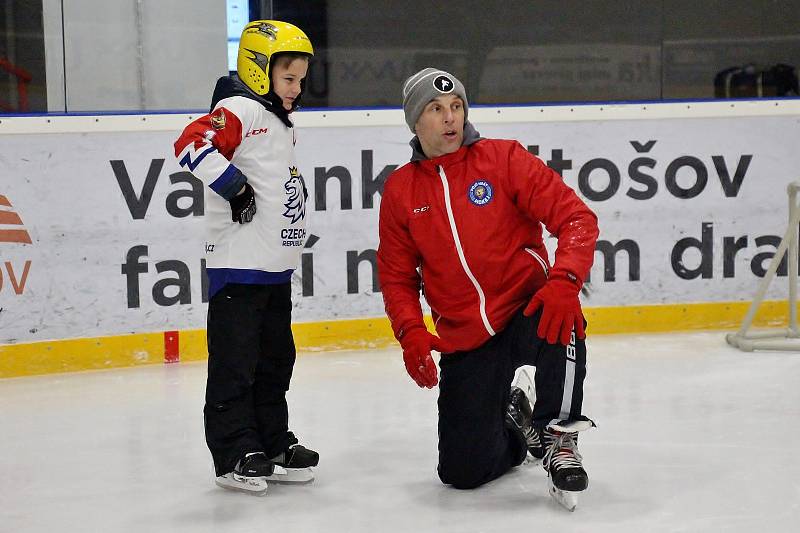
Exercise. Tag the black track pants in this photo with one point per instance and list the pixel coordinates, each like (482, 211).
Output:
(475, 446)
(251, 355)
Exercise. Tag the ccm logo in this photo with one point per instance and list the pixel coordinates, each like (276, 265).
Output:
(421, 209)
(256, 132)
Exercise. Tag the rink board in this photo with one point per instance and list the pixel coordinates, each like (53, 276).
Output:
(72, 355)
(102, 255)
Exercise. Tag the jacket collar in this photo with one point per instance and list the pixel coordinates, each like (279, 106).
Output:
(228, 86)
(471, 136)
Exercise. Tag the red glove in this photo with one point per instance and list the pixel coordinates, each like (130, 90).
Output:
(561, 309)
(417, 344)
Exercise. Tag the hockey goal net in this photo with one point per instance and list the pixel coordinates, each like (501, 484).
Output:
(784, 339)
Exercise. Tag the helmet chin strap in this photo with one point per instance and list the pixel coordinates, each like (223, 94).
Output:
(276, 103)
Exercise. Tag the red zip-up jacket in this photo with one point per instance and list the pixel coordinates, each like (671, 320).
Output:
(466, 229)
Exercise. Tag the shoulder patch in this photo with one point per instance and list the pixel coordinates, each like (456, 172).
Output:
(218, 119)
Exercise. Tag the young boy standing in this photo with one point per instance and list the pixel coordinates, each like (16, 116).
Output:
(243, 150)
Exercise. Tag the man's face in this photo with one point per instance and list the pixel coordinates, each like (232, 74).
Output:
(440, 127)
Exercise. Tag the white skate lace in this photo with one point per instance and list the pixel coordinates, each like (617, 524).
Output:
(530, 436)
(563, 453)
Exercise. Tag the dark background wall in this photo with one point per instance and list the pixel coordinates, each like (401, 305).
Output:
(505, 51)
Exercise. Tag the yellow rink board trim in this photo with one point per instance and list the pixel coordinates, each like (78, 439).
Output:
(72, 355)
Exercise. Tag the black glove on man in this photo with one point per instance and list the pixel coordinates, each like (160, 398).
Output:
(243, 205)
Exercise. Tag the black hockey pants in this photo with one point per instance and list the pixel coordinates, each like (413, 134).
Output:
(475, 446)
(251, 355)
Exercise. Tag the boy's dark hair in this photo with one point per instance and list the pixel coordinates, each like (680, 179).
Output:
(285, 58)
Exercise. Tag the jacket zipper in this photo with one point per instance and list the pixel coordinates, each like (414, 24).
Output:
(540, 260)
(449, 208)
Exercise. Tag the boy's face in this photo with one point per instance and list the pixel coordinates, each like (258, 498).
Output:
(440, 127)
(286, 80)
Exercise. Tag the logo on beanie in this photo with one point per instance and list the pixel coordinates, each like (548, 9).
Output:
(443, 84)
(480, 193)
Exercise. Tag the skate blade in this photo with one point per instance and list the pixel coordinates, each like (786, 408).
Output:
(255, 486)
(291, 475)
(572, 426)
(565, 498)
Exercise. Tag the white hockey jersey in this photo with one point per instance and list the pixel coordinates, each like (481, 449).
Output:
(242, 140)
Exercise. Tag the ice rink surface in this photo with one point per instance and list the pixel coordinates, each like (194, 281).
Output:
(692, 436)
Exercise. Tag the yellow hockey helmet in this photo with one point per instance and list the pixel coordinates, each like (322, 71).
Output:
(261, 39)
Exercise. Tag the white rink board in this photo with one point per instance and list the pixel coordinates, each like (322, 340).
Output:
(69, 282)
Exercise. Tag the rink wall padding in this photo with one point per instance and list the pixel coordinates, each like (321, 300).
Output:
(169, 347)
(70, 355)
(102, 254)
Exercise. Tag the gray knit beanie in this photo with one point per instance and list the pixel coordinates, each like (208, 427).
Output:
(424, 86)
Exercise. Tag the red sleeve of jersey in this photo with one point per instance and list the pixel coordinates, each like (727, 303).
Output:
(542, 193)
(398, 260)
(222, 128)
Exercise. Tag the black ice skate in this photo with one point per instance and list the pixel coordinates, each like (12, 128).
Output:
(519, 416)
(294, 464)
(563, 463)
(249, 475)
(519, 413)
